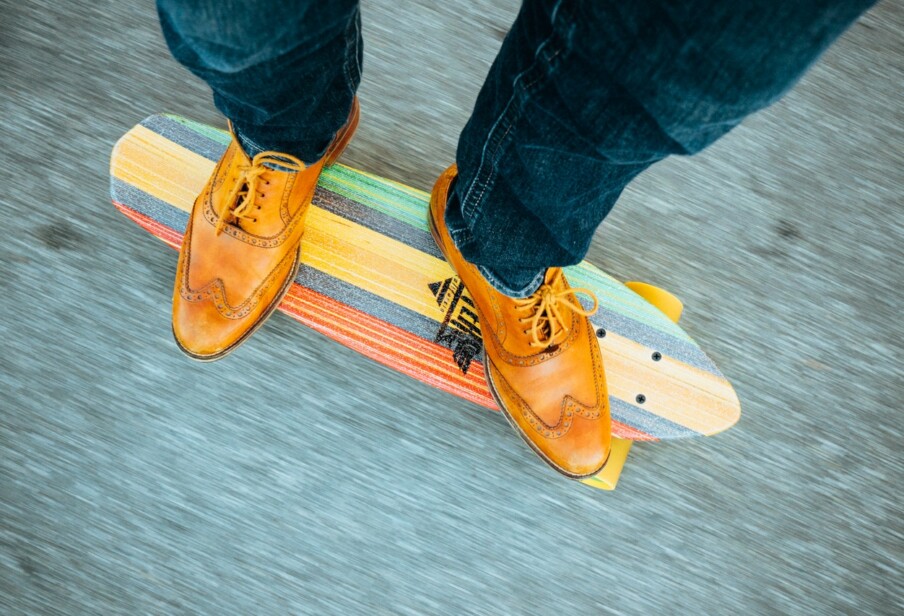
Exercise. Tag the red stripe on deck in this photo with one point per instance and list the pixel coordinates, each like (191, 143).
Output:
(374, 338)
(387, 344)
(625, 431)
(172, 237)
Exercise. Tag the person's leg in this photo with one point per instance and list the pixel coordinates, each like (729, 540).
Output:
(584, 95)
(285, 73)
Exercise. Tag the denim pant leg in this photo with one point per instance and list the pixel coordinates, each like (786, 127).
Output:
(584, 95)
(284, 72)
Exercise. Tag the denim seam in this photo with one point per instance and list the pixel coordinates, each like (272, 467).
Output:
(510, 116)
(353, 56)
(248, 144)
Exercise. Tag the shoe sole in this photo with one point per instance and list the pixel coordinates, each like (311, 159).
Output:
(492, 386)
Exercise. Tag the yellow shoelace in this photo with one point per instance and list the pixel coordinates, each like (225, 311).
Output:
(241, 201)
(548, 325)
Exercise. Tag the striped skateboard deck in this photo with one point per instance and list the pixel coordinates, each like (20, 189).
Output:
(373, 279)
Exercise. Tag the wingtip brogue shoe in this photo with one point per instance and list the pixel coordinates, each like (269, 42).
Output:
(542, 359)
(242, 246)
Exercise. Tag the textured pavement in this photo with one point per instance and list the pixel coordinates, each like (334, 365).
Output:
(296, 477)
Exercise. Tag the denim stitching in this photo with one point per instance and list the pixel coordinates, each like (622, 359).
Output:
(353, 56)
(359, 58)
(250, 147)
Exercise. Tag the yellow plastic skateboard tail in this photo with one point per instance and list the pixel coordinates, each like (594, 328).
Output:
(607, 478)
(667, 303)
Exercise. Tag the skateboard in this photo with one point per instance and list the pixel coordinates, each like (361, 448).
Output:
(373, 280)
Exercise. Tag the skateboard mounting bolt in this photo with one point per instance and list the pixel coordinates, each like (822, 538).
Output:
(601, 333)
(657, 356)
(641, 398)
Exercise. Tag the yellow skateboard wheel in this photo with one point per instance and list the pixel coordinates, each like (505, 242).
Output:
(667, 303)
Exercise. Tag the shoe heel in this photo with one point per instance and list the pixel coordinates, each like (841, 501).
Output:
(342, 140)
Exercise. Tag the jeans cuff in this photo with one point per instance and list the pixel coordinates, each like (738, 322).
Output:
(518, 285)
(250, 148)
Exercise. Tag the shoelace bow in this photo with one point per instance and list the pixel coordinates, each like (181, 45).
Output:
(545, 312)
(242, 199)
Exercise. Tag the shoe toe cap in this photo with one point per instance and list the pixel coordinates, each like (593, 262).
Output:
(577, 445)
(201, 331)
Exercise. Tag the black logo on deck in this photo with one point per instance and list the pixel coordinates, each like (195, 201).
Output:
(460, 329)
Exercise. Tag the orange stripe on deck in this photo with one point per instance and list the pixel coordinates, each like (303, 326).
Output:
(376, 332)
(625, 431)
(381, 341)
(172, 237)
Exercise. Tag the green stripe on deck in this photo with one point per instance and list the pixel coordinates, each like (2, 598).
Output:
(615, 296)
(401, 202)
(204, 130)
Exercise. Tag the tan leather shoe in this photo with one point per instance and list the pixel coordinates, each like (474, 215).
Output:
(241, 249)
(543, 361)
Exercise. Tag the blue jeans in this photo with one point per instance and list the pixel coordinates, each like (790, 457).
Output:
(583, 96)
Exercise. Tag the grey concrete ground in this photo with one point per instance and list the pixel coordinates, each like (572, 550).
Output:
(298, 478)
